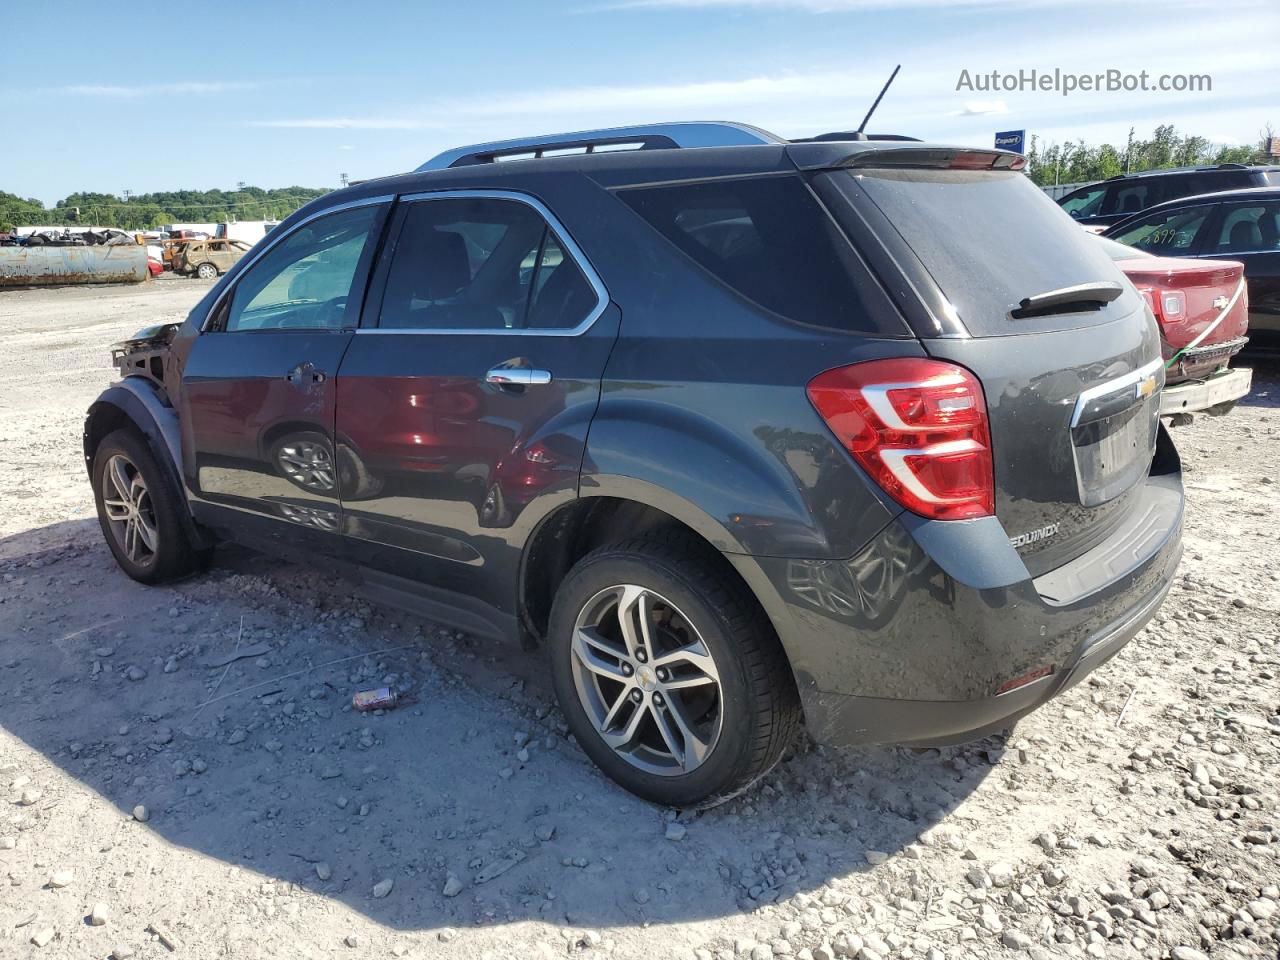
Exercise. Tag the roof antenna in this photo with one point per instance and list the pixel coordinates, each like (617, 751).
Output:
(858, 134)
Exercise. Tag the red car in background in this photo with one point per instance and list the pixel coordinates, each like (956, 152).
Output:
(1202, 307)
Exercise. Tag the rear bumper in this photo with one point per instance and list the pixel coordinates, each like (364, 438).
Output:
(1199, 395)
(840, 719)
(912, 640)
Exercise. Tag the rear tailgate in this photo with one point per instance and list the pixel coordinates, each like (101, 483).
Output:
(1067, 351)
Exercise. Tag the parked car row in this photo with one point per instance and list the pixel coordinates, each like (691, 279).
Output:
(857, 432)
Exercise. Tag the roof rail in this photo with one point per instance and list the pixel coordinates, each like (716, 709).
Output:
(657, 136)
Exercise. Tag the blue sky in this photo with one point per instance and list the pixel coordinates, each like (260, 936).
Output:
(283, 92)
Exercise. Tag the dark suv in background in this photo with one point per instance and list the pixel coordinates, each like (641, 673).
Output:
(741, 431)
(1108, 202)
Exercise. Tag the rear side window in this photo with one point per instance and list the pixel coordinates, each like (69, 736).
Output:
(1132, 196)
(482, 264)
(770, 241)
(1247, 228)
(1173, 232)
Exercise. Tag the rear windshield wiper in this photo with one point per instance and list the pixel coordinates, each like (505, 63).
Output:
(1082, 296)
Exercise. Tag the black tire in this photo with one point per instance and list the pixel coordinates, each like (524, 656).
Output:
(173, 555)
(760, 709)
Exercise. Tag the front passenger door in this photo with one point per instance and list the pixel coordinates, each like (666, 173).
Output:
(258, 389)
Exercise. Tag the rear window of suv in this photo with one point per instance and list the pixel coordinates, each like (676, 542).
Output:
(772, 242)
(988, 239)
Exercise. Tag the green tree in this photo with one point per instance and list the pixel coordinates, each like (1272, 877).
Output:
(1049, 163)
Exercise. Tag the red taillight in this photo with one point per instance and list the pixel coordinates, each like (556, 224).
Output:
(1169, 306)
(919, 427)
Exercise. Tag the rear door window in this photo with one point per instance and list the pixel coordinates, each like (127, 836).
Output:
(1125, 197)
(1171, 232)
(770, 241)
(482, 264)
(1247, 228)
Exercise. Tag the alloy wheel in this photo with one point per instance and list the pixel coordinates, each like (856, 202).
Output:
(646, 680)
(130, 513)
(307, 464)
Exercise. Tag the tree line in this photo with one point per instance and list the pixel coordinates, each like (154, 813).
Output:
(148, 210)
(1049, 163)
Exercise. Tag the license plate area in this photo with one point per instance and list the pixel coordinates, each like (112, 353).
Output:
(1114, 452)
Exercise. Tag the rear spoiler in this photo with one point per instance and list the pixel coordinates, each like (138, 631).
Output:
(900, 155)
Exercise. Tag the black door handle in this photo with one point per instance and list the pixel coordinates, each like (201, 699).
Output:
(305, 373)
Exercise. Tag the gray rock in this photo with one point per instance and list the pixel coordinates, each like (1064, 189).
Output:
(452, 886)
(141, 813)
(238, 735)
(1015, 940)
(323, 870)
(382, 888)
(1001, 874)
(1261, 909)
(136, 673)
(676, 831)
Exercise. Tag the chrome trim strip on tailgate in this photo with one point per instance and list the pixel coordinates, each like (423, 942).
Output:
(1132, 378)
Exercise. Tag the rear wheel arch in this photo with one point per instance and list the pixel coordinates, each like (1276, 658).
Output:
(587, 523)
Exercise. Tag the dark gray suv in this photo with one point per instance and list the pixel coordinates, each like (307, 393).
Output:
(740, 432)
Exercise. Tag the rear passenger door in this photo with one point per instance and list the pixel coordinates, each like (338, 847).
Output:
(1249, 231)
(464, 405)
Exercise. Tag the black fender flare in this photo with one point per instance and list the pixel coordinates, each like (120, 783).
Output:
(138, 402)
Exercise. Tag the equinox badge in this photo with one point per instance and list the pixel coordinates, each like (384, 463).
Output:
(1034, 536)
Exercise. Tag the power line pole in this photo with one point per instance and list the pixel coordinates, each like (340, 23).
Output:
(344, 179)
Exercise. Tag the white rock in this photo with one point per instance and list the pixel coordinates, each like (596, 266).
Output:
(61, 879)
(141, 813)
(99, 915)
(382, 888)
(323, 870)
(676, 831)
(452, 886)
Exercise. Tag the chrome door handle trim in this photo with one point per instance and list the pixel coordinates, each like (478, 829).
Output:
(517, 376)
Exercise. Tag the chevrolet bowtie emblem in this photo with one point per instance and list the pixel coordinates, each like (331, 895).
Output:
(1146, 387)
(1220, 302)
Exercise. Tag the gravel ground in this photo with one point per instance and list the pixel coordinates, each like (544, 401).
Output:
(161, 798)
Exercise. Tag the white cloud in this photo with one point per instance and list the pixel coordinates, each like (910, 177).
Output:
(118, 92)
(978, 108)
(345, 123)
